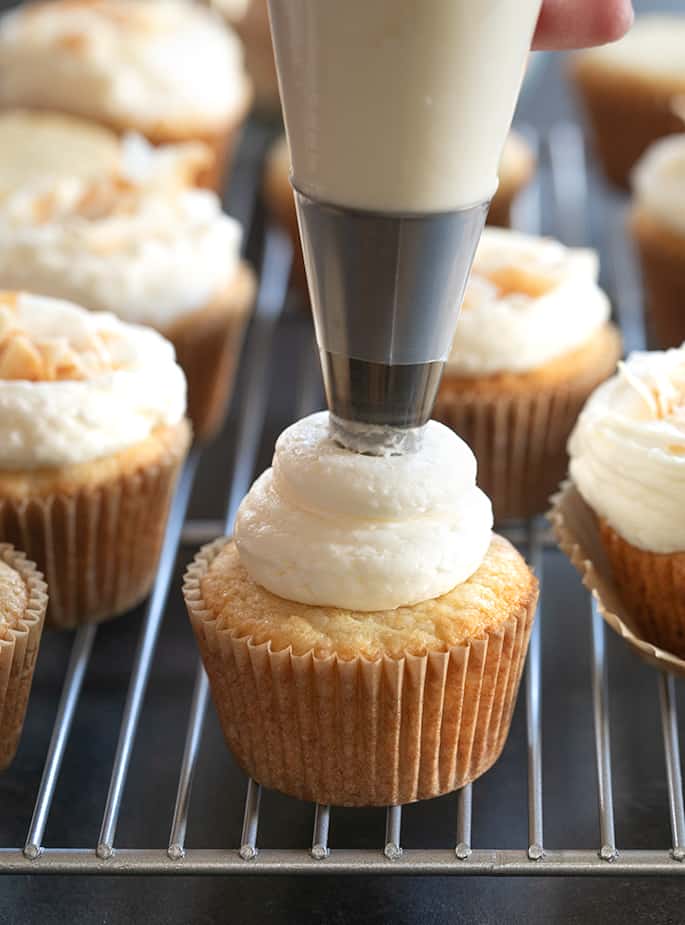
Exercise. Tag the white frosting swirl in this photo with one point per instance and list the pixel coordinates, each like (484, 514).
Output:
(141, 62)
(132, 385)
(628, 451)
(329, 527)
(658, 181)
(529, 300)
(150, 251)
(653, 47)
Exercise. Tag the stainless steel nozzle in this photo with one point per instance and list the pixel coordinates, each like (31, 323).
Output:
(385, 292)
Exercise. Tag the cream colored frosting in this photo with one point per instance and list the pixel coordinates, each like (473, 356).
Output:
(77, 386)
(658, 181)
(144, 246)
(528, 301)
(329, 527)
(628, 451)
(653, 47)
(140, 62)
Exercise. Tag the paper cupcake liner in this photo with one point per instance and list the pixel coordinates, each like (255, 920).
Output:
(18, 653)
(625, 117)
(97, 546)
(662, 261)
(208, 344)
(280, 203)
(577, 529)
(360, 732)
(519, 438)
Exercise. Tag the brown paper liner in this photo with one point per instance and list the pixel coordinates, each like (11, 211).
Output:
(18, 653)
(577, 530)
(360, 732)
(98, 546)
(662, 261)
(208, 345)
(626, 114)
(508, 191)
(519, 436)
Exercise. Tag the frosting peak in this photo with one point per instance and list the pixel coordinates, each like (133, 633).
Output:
(628, 451)
(329, 527)
(658, 182)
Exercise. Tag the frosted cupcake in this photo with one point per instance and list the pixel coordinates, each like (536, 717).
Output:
(250, 19)
(47, 147)
(23, 600)
(628, 464)
(92, 436)
(170, 71)
(657, 223)
(629, 89)
(148, 247)
(516, 169)
(365, 633)
(532, 341)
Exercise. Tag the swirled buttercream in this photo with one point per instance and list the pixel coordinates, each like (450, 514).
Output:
(658, 182)
(528, 301)
(628, 451)
(139, 243)
(141, 62)
(329, 527)
(76, 386)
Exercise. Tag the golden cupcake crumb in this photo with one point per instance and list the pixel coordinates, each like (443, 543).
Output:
(13, 598)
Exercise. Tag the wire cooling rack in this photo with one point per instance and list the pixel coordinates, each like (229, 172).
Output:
(566, 176)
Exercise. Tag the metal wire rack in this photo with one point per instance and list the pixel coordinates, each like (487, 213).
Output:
(568, 178)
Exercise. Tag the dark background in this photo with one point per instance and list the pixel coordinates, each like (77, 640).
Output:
(499, 799)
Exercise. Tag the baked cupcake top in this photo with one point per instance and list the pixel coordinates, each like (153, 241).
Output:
(141, 242)
(528, 301)
(76, 386)
(140, 63)
(658, 182)
(13, 597)
(628, 451)
(517, 161)
(653, 48)
(329, 527)
(47, 147)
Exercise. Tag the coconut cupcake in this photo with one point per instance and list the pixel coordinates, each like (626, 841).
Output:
(148, 247)
(23, 600)
(628, 90)
(250, 19)
(365, 633)
(657, 223)
(628, 464)
(170, 71)
(532, 341)
(92, 437)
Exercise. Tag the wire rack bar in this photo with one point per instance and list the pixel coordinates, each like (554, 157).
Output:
(393, 833)
(464, 815)
(340, 861)
(71, 690)
(534, 710)
(669, 725)
(600, 701)
(248, 838)
(570, 183)
(322, 821)
(143, 658)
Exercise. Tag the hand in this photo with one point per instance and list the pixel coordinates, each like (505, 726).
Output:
(581, 23)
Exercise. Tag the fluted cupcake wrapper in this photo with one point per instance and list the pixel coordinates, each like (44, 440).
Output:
(603, 571)
(360, 732)
(662, 261)
(18, 652)
(98, 547)
(625, 116)
(208, 346)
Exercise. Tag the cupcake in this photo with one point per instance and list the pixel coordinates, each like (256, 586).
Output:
(657, 224)
(23, 600)
(148, 247)
(628, 90)
(364, 633)
(170, 71)
(47, 147)
(250, 19)
(628, 465)
(516, 169)
(532, 341)
(92, 437)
